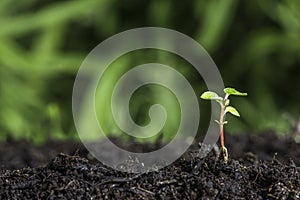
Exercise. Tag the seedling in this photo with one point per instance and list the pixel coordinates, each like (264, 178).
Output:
(225, 108)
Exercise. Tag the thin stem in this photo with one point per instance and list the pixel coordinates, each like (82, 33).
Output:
(221, 126)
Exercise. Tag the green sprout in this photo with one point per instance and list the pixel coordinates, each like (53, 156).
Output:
(225, 108)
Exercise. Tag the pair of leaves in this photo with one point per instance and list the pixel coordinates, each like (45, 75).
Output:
(214, 96)
(228, 91)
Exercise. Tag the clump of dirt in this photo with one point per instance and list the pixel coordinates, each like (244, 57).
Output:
(252, 172)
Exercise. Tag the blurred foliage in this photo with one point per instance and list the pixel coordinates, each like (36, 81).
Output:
(255, 44)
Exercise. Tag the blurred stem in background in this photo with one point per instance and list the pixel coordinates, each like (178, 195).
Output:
(42, 44)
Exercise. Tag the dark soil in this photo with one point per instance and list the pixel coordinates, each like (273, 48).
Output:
(254, 172)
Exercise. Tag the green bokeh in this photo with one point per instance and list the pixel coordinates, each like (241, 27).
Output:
(255, 44)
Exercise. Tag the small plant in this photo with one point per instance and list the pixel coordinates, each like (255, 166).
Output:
(225, 108)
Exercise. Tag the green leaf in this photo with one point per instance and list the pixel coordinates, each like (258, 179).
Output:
(232, 91)
(232, 110)
(227, 101)
(211, 96)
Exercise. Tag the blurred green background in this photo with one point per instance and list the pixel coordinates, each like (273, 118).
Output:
(255, 44)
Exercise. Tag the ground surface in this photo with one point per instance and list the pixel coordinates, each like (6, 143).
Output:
(256, 175)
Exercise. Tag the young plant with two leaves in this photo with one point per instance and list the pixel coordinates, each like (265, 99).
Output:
(225, 108)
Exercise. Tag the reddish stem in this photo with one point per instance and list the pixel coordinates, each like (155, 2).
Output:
(221, 125)
(222, 136)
